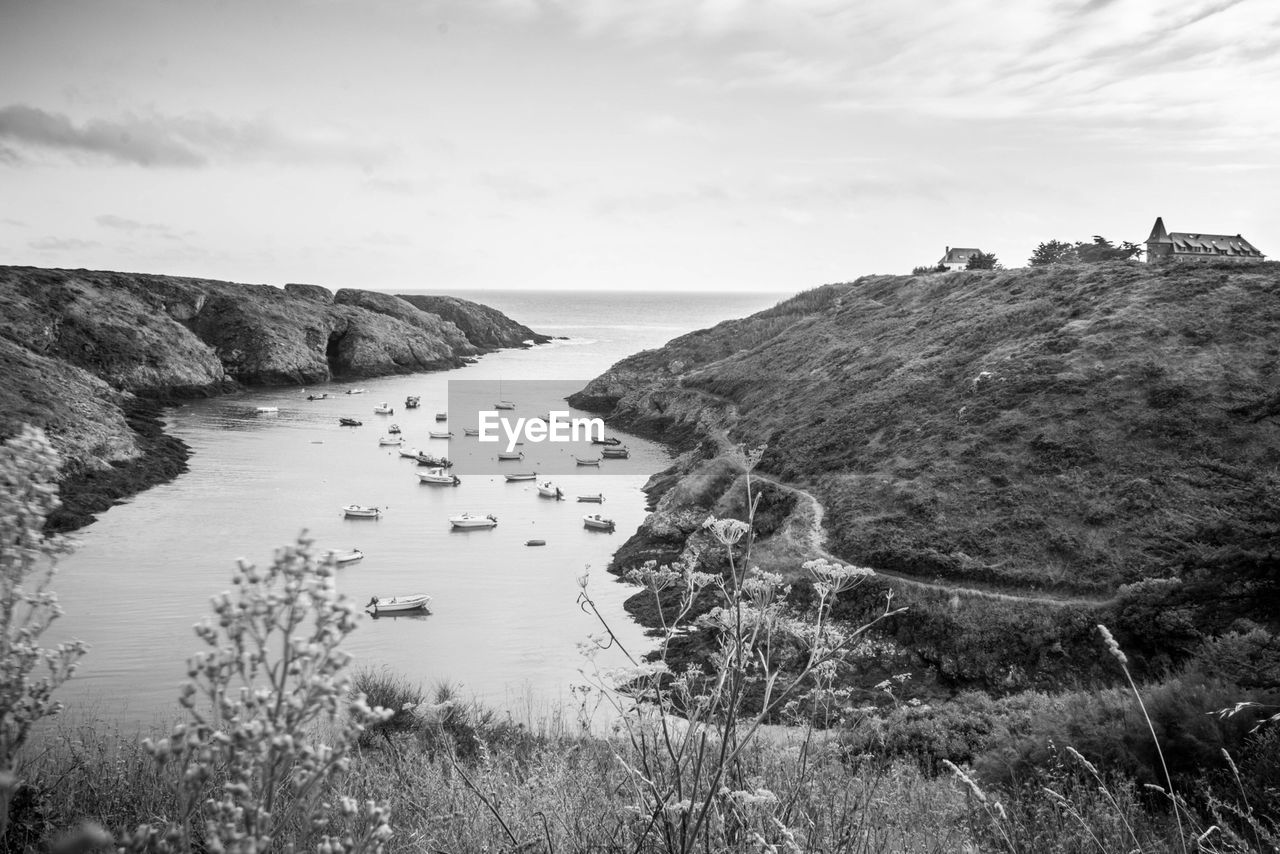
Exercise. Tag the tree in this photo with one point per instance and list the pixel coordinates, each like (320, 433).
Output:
(1101, 250)
(983, 261)
(1052, 252)
(929, 268)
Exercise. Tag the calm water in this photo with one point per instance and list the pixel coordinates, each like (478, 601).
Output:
(504, 622)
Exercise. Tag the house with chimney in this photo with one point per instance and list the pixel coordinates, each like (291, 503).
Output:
(957, 258)
(1165, 245)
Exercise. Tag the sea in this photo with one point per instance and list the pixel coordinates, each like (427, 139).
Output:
(506, 626)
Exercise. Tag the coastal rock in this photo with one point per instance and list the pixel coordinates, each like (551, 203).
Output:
(447, 334)
(315, 293)
(485, 327)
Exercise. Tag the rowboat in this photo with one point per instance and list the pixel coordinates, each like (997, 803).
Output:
(438, 477)
(549, 490)
(411, 453)
(434, 462)
(504, 404)
(598, 498)
(390, 440)
(441, 434)
(349, 422)
(471, 431)
(343, 558)
(511, 455)
(583, 462)
(610, 441)
(535, 542)
(384, 408)
(359, 511)
(596, 522)
(616, 453)
(524, 475)
(412, 602)
(473, 520)
(267, 410)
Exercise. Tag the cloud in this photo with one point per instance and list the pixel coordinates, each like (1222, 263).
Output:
(62, 244)
(188, 141)
(515, 187)
(133, 226)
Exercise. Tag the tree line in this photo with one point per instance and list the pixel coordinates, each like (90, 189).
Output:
(1052, 252)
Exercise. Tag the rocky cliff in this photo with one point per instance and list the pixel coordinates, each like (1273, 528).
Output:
(80, 347)
(485, 327)
(1068, 438)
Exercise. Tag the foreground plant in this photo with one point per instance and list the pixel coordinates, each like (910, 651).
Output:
(690, 732)
(252, 774)
(29, 673)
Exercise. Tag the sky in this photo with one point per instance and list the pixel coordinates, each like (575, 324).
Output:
(661, 145)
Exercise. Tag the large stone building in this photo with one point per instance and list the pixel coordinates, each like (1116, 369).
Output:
(957, 258)
(1185, 246)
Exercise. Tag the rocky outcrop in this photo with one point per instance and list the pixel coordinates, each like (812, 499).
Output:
(485, 327)
(77, 346)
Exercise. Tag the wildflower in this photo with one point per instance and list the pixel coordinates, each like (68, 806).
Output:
(727, 531)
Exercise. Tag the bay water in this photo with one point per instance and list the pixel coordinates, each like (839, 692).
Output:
(505, 626)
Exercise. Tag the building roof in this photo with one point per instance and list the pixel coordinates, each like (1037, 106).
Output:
(1229, 244)
(1158, 234)
(958, 255)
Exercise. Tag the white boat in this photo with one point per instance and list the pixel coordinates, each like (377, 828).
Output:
(583, 462)
(342, 558)
(597, 522)
(391, 440)
(510, 455)
(616, 453)
(321, 396)
(471, 431)
(412, 401)
(598, 498)
(441, 434)
(438, 476)
(473, 520)
(411, 453)
(524, 475)
(359, 511)
(267, 410)
(547, 489)
(355, 391)
(384, 408)
(412, 602)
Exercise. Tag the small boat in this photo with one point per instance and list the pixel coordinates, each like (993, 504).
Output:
(410, 453)
(412, 401)
(535, 542)
(583, 462)
(473, 520)
(394, 428)
(596, 522)
(442, 416)
(610, 441)
(413, 602)
(322, 396)
(598, 498)
(434, 462)
(471, 431)
(511, 455)
(349, 422)
(616, 453)
(343, 558)
(441, 434)
(504, 404)
(547, 489)
(355, 391)
(390, 440)
(267, 410)
(524, 475)
(359, 511)
(439, 477)
(384, 408)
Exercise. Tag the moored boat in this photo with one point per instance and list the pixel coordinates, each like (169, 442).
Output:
(349, 422)
(412, 401)
(359, 511)
(439, 478)
(411, 453)
(395, 604)
(442, 416)
(524, 475)
(390, 440)
(547, 489)
(343, 558)
(384, 408)
(394, 428)
(596, 522)
(473, 520)
(614, 453)
(593, 462)
(441, 434)
(504, 404)
(267, 410)
(321, 396)
(434, 462)
(610, 441)
(471, 431)
(535, 542)
(511, 455)
(598, 498)
(355, 391)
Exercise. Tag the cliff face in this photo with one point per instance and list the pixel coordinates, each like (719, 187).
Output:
(485, 327)
(77, 345)
(1070, 429)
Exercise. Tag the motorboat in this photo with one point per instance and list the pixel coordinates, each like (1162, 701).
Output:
(582, 462)
(596, 522)
(395, 604)
(359, 511)
(349, 422)
(511, 455)
(434, 462)
(610, 441)
(504, 404)
(524, 475)
(355, 391)
(390, 440)
(473, 520)
(321, 396)
(384, 408)
(547, 489)
(344, 558)
(439, 477)
(441, 434)
(267, 410)
(471, 431)
(411, 453)
(598, 498)
(442, 416)
(394, 428)
(614, 453)
(535, 542)
(412, 402)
